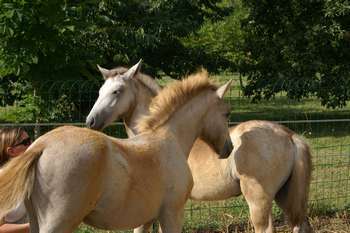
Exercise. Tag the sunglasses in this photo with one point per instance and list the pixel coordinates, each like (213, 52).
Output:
(26, 142)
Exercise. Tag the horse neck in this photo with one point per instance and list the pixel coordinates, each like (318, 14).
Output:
(186, 123)
(143, 97)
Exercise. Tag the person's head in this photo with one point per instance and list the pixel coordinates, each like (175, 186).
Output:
(13, 142)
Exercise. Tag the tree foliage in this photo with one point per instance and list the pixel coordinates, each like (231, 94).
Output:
(300, 47)
(48, 40)
(221, 39)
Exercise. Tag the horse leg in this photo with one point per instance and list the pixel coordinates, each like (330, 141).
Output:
(145, 228)
(34, 226)
(305, 227)
(59, 220)
(260, 205)
(294, 206)
(47, 223)
(293, 196)
(297, 219)
(56, 228)
(59, 211)
(171, 221)
(270, 226)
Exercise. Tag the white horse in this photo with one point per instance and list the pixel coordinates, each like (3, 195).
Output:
(73, 174)
(269, 161)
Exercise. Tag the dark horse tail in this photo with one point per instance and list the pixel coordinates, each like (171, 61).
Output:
(293, 196)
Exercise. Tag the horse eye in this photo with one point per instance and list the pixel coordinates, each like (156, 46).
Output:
(116, 92)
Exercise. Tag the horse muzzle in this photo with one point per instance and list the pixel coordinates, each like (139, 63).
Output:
(92, 123)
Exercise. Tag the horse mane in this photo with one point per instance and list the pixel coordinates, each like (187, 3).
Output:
(149, 82)
(116, 71)
(172, 97)
(144, 79)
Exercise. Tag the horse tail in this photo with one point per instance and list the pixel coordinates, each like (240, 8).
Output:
(293, 196)
(17, 179)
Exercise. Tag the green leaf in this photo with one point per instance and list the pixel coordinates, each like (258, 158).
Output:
(35, 60)
(9, 14)
(10, 31)
(71, 28)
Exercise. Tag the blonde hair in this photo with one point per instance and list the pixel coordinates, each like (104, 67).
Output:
(9, 136)
(172, 97)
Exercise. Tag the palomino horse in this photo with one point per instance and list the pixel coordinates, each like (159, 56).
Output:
(73, 174)
(269, 161)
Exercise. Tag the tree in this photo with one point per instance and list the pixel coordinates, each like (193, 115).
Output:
(45, 41)
(300, 47)
(221, 39)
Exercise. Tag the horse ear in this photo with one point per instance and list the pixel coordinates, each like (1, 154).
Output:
(133, 70)
(103, 71)
(223, 89)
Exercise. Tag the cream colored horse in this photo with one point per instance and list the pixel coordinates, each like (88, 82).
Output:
(73, 174)
(269, 161)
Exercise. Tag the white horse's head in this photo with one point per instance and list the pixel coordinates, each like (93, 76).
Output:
(113, 100)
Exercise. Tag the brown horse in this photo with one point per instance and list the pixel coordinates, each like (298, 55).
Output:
(269, 161)
(72, 174)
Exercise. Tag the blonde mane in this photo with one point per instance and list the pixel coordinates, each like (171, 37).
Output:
(116, 71)
(172, 97)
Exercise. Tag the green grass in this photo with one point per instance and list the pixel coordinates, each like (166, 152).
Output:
(280, 108)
